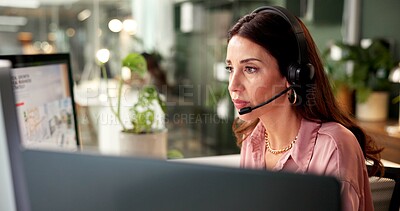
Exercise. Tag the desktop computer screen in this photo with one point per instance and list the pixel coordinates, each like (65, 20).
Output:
(42, 87)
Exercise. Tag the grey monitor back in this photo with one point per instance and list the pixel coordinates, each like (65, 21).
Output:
(66, 181)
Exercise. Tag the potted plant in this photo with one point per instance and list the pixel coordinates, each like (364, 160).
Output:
(146, 134)
(363, 69)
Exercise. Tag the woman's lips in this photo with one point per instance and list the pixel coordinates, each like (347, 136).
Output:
(239, 104)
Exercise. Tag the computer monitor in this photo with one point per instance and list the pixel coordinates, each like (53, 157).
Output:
(6, 190)
(42, 86)
(67, 181)
(14, 192)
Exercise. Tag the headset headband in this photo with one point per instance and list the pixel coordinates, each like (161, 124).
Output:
(296, 28)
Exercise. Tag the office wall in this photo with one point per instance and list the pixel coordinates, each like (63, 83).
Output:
(9, 43)
(381, 19)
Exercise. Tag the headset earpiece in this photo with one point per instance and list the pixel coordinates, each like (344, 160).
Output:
(293, 74)
(300, 74)
(310, 72)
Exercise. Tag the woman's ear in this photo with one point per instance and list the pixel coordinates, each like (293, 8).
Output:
(287, 84)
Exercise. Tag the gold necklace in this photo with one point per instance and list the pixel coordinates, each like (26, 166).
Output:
(277, 151)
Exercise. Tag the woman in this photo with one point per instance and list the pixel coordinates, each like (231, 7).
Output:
(304, 132)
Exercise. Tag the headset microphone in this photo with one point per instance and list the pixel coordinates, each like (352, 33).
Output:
(246, 110)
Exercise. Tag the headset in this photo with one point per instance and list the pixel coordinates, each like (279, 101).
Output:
(299, 73)
(302, 71)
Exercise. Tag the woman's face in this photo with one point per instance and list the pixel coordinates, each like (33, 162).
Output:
(254, 77)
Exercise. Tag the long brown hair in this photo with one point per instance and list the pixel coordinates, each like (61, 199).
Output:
(275, 35)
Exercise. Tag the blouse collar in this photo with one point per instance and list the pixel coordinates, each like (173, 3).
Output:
(304, 146)
(301, 152)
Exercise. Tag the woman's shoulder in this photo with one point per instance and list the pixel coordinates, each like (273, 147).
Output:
(336, 132)
(334, 136)
(343, 143)
(347, 156)
(340, 146)
(329, 131)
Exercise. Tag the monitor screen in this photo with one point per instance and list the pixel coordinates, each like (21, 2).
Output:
(42, 86)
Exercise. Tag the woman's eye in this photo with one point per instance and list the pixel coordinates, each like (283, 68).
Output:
(229, 69)
(250, 69)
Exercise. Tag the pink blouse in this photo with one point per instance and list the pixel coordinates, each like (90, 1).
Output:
(323, 149)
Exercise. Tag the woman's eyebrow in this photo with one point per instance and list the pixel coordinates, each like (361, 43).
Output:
(249, 59)
(243, 61)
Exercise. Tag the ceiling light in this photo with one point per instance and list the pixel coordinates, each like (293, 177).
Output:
(115, 25)
(103, 55)
(336, 53)
(56, 2)
(186, 20)
(130, 26)
(13, 20)
(20, 3)
(70, 32)
(85, 14)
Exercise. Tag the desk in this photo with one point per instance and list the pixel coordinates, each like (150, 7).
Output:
(234, 161)
(220, 160)
(390, 141)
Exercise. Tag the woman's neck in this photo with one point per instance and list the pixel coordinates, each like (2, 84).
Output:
(282, 127)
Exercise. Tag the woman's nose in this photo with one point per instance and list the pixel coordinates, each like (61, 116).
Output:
(235, 83)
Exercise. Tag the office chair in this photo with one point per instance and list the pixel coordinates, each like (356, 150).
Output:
(388, 184)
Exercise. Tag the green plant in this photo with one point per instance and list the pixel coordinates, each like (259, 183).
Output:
(143, 112)
(370, 67)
